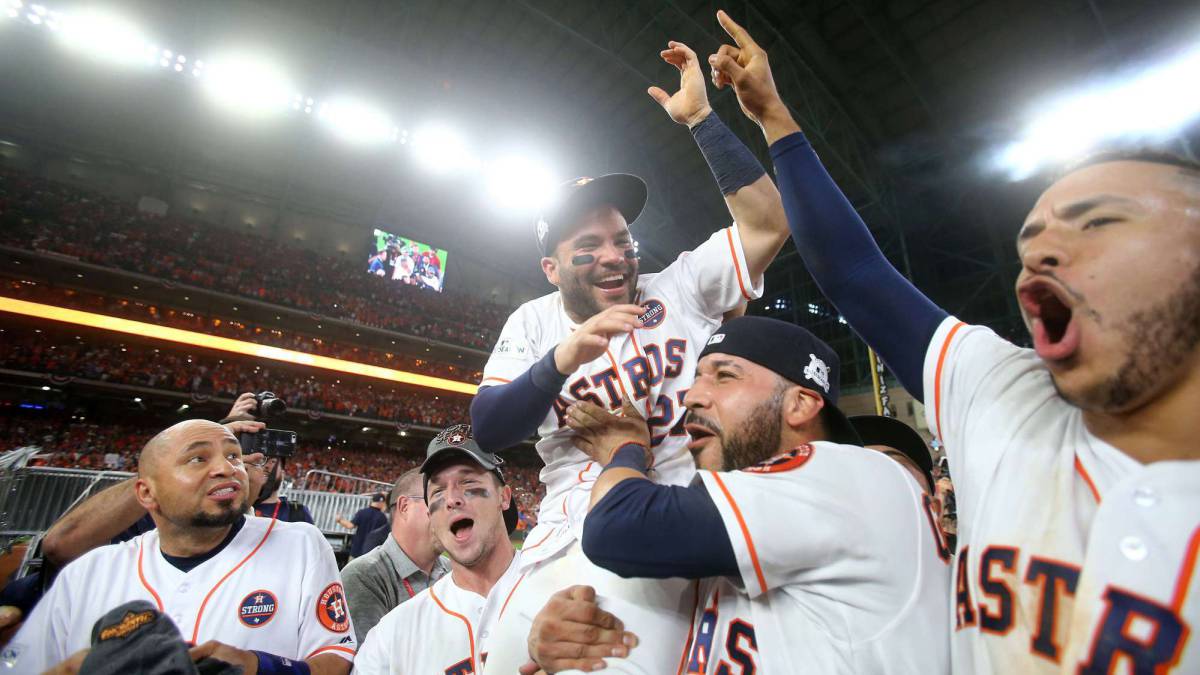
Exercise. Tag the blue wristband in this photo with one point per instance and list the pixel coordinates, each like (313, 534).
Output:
(270, 664)
(732, 163)
(629, 456)
(545, 375)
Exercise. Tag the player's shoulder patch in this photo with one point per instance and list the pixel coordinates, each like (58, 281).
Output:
(784, 461)
(257, 609)
(655, 314)
(331, 608)
(510, 346)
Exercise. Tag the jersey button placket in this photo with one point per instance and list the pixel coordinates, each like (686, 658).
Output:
(1133, 548)
(1145, 497)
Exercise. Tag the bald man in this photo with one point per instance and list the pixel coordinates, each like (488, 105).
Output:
(233, 584)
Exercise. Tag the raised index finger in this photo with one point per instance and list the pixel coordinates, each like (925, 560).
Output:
(739, 34)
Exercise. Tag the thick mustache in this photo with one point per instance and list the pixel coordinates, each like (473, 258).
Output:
(693, 418)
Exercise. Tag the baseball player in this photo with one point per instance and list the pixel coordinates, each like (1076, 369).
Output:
(254, 592)
(813, 554)
(446, 627)
(1078, 489)
(610, 333)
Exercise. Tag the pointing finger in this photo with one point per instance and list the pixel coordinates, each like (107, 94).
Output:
(739, 34)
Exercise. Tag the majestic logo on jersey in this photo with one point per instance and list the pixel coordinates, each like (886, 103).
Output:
(818, 372)
(512, 346)
(716, 339)
(331, 609)
(655, 314)
(792, 459)
(257, 609)
(129, 623)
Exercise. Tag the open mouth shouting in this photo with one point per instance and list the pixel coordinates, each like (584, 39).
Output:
(699, 433)
(225, 492)
(1051, 313)
(461, 529)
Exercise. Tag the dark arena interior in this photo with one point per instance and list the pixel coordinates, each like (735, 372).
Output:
(339, 202)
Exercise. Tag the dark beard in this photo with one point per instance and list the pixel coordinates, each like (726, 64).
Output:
(1160, 339)
(578, 299)
(758, 439)
(223, 519)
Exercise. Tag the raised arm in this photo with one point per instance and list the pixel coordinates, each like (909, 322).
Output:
(749, 193)
(879, 303)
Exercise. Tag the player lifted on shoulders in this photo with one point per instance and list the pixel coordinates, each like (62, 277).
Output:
(1075, 462)
(813, 554)
(610, 332)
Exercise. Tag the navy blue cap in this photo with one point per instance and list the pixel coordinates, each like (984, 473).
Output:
(794, 354)
(623, 191)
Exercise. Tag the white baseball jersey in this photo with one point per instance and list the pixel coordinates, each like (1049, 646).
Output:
(843, 570)
(1072, 557)
(273, 588)
(444, 629)
(654, 366)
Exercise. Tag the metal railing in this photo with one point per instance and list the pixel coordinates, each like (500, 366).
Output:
(326, 507)
(328, 481)
(31, 499)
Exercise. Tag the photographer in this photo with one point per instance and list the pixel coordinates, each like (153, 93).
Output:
(271, 505)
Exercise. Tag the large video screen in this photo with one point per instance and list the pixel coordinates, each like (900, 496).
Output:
(407, 261)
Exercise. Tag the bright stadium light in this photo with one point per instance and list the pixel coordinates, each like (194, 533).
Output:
(103, 36)
(247, 84)
(1152, 105)
(355, 121)
(441, 149)
(519, 184)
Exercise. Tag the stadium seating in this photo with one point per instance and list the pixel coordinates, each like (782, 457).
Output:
(36, 214)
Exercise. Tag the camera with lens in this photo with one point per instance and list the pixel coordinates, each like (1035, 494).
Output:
(270, 442)
(268, 405)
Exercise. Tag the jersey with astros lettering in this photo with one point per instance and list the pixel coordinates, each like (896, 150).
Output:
(654, 366)
(444, 629)
(273, 588)
(843, 570)
(1072, 556)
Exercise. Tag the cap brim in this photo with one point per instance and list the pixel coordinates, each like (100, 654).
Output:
(445, 455)
(625, 192)
(889, 431)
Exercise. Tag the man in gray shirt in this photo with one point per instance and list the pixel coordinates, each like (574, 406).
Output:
(404, 565)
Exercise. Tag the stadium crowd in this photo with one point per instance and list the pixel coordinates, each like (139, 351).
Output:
(36, 214)
(68, 442)
(102, 357)
(187, 320)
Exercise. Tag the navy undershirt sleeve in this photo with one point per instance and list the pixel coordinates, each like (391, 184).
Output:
(882, 306)
(504, 415)
(642, 529)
